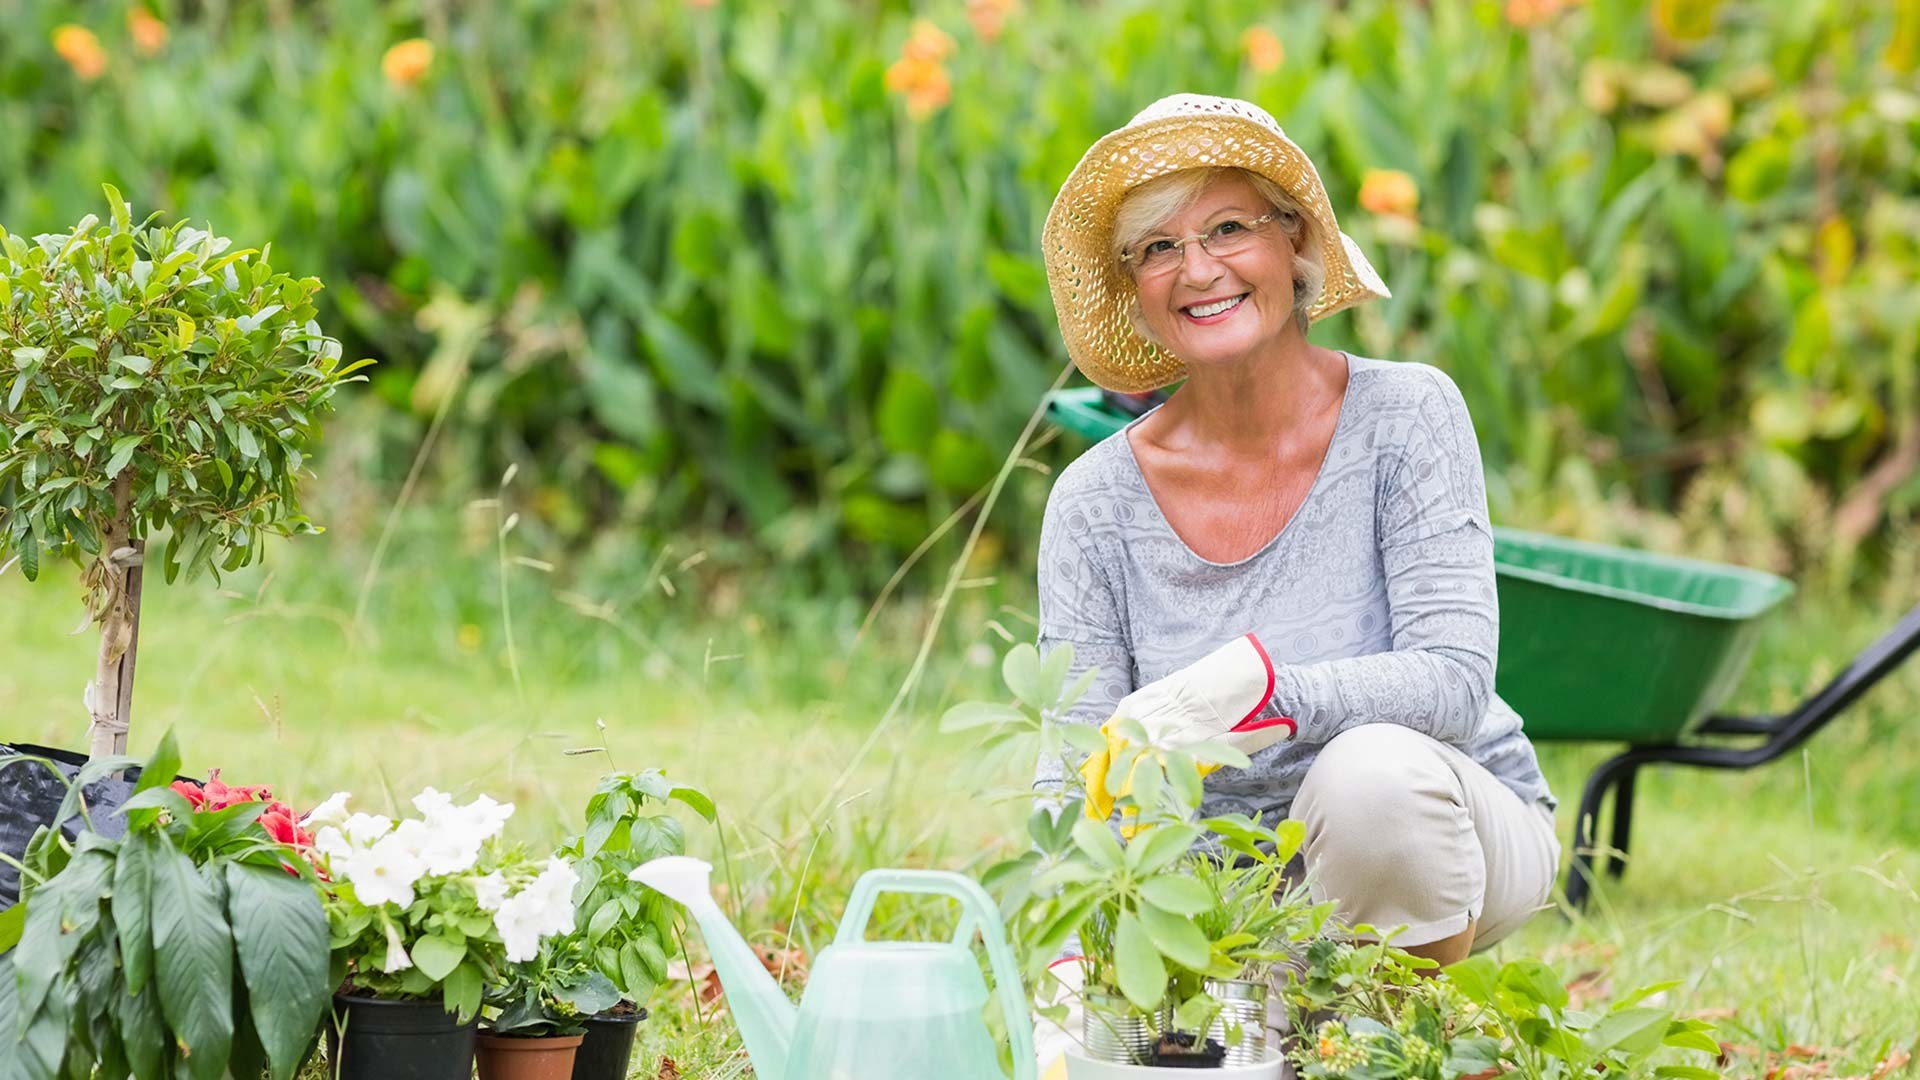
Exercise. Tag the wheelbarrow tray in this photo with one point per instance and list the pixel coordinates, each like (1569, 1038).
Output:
(1613, 644)
(1597, 643)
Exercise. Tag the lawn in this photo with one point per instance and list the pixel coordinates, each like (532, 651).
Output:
(1784, 899)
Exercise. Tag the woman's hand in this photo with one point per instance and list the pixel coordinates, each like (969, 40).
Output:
(1217, 698)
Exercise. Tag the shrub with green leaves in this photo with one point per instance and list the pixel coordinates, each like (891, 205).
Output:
(192, 946)
(152, 381)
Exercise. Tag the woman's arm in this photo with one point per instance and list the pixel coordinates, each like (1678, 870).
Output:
(1079, 607)
(1436, 548)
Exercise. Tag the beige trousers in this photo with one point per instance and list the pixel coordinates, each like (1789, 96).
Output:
(1407, 831)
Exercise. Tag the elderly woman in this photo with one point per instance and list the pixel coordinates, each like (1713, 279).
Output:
(1293, 550)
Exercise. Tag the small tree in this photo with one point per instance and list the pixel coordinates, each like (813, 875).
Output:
(151, 380)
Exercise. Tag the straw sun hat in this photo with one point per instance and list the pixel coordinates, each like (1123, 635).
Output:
(1092, 291)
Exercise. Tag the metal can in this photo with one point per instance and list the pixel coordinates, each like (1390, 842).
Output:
(1243, 1004)
(1113, 1030)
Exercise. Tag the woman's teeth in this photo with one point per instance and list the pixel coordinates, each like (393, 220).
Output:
(1203, 311)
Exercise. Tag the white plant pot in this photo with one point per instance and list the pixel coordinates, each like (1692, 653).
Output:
(1082, 1068)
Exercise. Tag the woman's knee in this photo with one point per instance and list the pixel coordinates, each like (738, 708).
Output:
(1382, 795)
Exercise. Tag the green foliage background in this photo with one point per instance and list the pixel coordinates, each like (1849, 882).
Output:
(697, 267)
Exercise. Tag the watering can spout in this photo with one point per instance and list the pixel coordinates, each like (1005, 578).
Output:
(760, 1008)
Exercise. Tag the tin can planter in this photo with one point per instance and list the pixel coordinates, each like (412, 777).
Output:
(1114, 1031)
(608, 1047)
(517, 1057)
(1243, 1006)
(372, 1038)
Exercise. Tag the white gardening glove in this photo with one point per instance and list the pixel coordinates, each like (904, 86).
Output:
(1218, 697)
(1062, 983)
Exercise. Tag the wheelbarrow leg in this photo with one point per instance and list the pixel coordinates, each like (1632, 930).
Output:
(1622, 821)
(1612, 775)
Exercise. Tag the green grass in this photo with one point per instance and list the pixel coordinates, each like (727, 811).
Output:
(1783, 898)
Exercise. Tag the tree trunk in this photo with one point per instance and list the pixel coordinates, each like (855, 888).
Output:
(110, 698)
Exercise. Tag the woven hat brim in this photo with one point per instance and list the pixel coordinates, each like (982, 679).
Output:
(1092, 292)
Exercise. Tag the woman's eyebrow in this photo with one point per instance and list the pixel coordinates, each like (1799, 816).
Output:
(1235, 210)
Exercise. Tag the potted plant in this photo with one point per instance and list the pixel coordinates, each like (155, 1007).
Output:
(151, 381)
(1171, 919)
(423, 914)
(544, 1003)
(622, 927)
(192, 945)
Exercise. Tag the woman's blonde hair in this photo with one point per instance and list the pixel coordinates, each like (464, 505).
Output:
(1147, 207)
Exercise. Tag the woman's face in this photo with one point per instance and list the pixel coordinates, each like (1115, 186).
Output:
(1256, 280)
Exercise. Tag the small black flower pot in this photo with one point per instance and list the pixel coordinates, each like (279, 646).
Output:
(378, 1039)
(608, 1047)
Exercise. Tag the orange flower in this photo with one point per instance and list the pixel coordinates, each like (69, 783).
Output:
(78, 46)
(989, 17)
(407, 62)
(1263, 50)
(1389, 192)
(1526, 14)
(919, 74)
(926, 43)
(701, 3)
(149, 33)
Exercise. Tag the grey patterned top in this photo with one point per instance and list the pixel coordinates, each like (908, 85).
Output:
(1375, 602)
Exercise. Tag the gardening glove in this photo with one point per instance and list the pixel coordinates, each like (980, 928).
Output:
(1051, 1041)
(1218, 697)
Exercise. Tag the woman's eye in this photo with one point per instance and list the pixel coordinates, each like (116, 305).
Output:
(1227, 228)
(1156, 247)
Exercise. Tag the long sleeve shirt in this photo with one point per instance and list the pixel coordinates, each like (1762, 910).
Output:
(1375, 602)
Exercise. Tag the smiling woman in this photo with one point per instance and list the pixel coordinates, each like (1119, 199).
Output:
(1292, 553)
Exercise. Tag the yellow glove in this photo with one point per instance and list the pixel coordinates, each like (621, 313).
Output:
(1218, 697)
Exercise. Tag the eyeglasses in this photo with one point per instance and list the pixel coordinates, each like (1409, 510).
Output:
(1226, 238)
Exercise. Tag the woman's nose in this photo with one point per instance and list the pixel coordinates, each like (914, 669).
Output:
(1201, 271)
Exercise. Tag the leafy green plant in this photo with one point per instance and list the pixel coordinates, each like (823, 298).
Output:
(155, 381)
(622, 927)
(552, 994)
(1153, 917)
(192, 946)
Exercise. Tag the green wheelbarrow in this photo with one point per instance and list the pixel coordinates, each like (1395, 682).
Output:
(1610, 644)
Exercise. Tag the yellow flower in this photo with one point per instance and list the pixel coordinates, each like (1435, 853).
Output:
(78, 46)
(1525, 14)
(407, 62)
(1389, 192)
(1263, 50)
(149, 33)
(989, 17)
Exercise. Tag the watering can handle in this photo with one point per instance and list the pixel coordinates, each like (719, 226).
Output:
(977, 912)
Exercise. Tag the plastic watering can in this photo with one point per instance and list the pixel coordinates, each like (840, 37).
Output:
(873, 1010)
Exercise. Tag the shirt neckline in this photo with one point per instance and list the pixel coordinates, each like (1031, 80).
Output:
(1313, 490)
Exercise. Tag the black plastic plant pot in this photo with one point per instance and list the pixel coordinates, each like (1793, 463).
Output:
(608, 1047)
(377, 1039)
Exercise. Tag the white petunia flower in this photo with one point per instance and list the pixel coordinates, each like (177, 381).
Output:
(486, 817)
(433, 805)
(542, 909)
(518, 931)
(331, 842)
(332, 813)
(384, 873)
(490, 891)
(363, 829)
(397, 958)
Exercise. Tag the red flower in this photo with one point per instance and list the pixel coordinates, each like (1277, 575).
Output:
(190, 791)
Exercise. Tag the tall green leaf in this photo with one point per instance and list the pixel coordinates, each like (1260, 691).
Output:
(193, 962)
(1137, 965)
(280, 934)
(132, 920)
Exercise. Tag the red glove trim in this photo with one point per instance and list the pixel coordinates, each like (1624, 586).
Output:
(1248, 723)
(1065, 960)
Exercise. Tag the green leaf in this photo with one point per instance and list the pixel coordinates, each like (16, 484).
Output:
(603, 920)
(1177, 895)
(461, 990)
(160, 768)
(1096, 841)
(1477, 977)
(1158, 848)
(244, 440)
(695, 800)
(1137, 964)
(123, 449)
(436, 956)
(132, 886)
(1177, 938)
(1021, 671)
(280, 936)
(1632, 1031)
(143, 1031)
(193, 963)
(974, 714)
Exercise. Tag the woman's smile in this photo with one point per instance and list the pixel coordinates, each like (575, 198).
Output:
(1208, 312)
